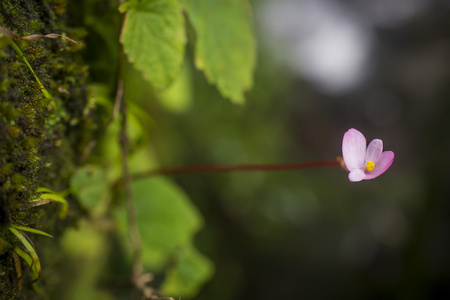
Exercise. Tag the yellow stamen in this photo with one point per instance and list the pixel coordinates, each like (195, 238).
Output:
(370, 165)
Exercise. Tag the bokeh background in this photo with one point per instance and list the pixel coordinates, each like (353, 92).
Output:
(324, 66)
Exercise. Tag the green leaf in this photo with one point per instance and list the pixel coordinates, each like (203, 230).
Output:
(30, 248)
(178, 97)
(50, 195)
(27, 258)
(86, 251)
(143, 159)
(90, 185)
(153, 37)
(189, 274)
(167, 220)
(225, 47)
(32, 230)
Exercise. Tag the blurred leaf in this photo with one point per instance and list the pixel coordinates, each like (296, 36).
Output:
(167, 220)
(98, 94)
(108, 149)
(136, 118)
(189, 274)
(178, 97)
(143, 159)
(153, 38)
(225, 45)
(86, 252)
(90, 185)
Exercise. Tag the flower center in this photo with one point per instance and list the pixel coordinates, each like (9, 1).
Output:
(370, 165)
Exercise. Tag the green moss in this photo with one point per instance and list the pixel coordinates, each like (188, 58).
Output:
(13, 131)
(3, 246)
(6, 169)
(39, 146)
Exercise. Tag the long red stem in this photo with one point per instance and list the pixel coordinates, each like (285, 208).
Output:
(233, 168)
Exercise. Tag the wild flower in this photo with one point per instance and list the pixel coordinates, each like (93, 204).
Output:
(361, 162)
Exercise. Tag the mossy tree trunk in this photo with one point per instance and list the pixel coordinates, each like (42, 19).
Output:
(41, 139)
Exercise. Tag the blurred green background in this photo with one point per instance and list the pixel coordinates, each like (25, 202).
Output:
(324, 66)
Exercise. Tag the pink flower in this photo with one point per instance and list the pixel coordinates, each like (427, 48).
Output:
(364, 163)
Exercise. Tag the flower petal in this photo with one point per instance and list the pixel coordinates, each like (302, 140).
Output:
(381, 165)
(356, 175)
(354, 149)
(374, 150)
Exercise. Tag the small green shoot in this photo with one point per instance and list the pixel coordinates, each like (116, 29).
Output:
(18, 268)
(27, 258)
(51, 196)
(32, 230)
(21, 56)
(36, 264)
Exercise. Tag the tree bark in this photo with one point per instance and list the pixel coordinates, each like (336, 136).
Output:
(40, 137)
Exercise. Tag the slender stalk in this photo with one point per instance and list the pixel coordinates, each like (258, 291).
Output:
(132, 218)
(139, 278)
(118, 100)
(233, 168)
(18, 268)
(21, 56)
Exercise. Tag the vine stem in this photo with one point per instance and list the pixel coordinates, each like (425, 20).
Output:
(234, 168)
(139, 278)
(117, 103)
(131, 209)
